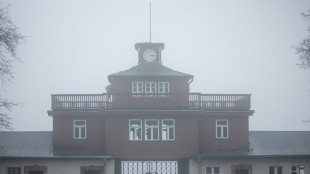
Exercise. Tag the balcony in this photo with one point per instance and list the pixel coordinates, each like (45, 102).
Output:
(150, 101)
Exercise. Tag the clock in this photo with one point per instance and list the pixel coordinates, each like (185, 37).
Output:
(149, 55)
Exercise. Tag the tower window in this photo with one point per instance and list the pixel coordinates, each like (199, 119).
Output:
(221, 129)
(151, 129)
(137, 87)
(167, 129)
(150, 87)
(135, 130)
(79, 128)
(163, 87)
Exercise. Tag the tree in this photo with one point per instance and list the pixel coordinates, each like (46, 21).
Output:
(10, 38)
(303, 49)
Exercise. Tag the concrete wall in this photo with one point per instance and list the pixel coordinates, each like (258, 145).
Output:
(259, 165)
(55, 166)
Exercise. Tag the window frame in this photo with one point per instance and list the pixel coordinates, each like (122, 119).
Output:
(222, 129)
(275, 169)
(150, 88)
(19, 170)
(168, 130)
(79, 130)
(213, 169)
(162, 90)
(298, 168)
(151, 127)
(135, 88)
(136, 128)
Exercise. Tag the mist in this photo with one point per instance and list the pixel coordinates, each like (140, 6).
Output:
(231, 47)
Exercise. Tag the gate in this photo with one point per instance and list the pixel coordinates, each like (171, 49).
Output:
(150, 167)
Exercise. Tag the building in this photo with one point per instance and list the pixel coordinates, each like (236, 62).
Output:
(148, 122)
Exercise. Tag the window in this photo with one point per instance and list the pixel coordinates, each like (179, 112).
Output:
(298, 169)
(79, 129)
(137, 87)
(275, 169)
(151, 129)
(14, 170)
(163, 87)
(221, 129)
(150, 87)
(135, 130)
(167, 129)
(213, 170)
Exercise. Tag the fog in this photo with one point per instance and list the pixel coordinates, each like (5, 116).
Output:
(230, 47)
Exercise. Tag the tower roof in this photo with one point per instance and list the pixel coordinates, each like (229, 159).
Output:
(149, 70)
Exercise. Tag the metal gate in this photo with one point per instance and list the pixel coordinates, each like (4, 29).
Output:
(149, 167)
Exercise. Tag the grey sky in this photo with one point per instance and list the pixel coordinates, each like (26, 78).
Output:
(237, 46)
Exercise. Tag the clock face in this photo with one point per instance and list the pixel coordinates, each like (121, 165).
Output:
(149, 55)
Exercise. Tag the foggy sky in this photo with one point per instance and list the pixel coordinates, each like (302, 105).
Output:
(229, 46)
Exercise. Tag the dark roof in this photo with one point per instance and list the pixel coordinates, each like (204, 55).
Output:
(280, 142)
(149, 69)
(38, 145)
(26, 144)
(268, 144)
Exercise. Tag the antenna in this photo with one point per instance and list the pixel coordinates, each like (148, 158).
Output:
(150, 21)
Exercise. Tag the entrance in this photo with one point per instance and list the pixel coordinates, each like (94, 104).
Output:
(35, 172)
(92, 172)
(242, 171)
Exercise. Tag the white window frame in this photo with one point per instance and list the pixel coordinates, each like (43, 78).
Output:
(298, 169)
(152, 128)
(134, 136)
(14, 170)
(222, 128)
(80, 129)
(137, 88)
(150, 88)
(165, 134)
(275, 169)
(164, 88)
(212, 170)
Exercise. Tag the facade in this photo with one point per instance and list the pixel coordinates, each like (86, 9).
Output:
(148, 122)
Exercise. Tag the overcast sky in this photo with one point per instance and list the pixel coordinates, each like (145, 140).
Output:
(229, 46)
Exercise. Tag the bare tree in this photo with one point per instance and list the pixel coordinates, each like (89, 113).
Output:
(10, 38)
(303, 49)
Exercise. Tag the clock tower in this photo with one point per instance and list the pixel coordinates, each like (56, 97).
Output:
(149, 52)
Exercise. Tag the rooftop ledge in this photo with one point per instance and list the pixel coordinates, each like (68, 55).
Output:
(110, 101)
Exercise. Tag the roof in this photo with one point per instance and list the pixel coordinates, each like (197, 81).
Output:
(26, 144)
(38, 144)
(280, 143)
(268, 144)
(149, 69)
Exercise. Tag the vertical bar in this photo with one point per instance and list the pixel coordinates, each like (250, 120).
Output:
(128, 166)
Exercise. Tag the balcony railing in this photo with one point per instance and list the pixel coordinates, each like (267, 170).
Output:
(150, 100)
